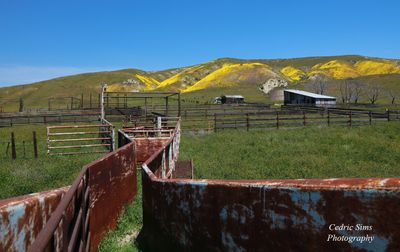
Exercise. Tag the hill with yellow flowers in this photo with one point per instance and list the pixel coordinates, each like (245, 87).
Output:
(250, 78)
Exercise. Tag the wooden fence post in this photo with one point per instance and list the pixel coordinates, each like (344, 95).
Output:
(247, 121)
(304, 118)
(215, 121)
(350, 117)
(23, 146)
(13, 151)
(35, 152)
(388, 115)
(277, 119)
(370, 117)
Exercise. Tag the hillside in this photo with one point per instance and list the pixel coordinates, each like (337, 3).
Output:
(226, 75)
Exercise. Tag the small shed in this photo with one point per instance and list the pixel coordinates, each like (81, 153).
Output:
(300, 97)
(229, 99)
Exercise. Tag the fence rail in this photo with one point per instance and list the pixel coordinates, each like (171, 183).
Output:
(304, 117)
(61, 140)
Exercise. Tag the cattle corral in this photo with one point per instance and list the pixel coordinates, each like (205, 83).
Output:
(189, 202)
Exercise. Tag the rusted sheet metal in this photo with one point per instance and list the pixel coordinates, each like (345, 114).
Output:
(183, 169)
(222, 216)
(92, 204)
(23, 217)
(260, 215)
(145, 147)
(113, 184)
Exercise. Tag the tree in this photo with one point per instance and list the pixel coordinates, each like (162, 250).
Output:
(346, 91)
(319, 84)
(373, 92)
(357, 91)
(392, 95)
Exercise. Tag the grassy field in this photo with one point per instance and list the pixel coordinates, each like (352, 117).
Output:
(370, 151)
(26, 174)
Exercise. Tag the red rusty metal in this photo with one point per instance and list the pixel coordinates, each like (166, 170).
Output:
(23, 217)
(260, 215)
(92, 204)
(113, 183)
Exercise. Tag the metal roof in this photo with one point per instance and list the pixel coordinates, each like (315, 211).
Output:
(309, 94)
(233, 96)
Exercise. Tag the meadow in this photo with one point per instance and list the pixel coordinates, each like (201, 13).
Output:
(28, 175)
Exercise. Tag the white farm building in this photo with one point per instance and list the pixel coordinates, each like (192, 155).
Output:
(299, 97)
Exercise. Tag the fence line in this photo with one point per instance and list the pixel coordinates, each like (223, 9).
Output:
(296, 118)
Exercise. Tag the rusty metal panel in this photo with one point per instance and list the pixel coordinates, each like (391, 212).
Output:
(207, 215)
(113, 184)
(184, 169)
(145, 147)
(23, 217)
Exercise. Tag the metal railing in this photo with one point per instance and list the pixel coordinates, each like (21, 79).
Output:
(62, 140)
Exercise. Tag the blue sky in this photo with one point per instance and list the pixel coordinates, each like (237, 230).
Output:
(45, 39)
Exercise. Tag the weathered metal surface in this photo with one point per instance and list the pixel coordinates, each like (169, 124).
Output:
(113, 184)
(183, 169)
(145, 147)
(262, 215)
(23, 217)
(92, 204)
(278, 215)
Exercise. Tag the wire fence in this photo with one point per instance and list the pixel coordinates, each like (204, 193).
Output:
(14, 148)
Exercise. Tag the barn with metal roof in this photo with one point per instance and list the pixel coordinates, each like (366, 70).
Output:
(300, 97)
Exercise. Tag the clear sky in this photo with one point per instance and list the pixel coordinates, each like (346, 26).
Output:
(45, 39)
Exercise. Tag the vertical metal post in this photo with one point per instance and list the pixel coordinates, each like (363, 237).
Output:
(82, 101)
(103, 90)
(159, 125)
(112, 138)
(48, 140)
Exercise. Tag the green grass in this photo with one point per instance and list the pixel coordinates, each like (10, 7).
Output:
(369, 151)
(28, 175)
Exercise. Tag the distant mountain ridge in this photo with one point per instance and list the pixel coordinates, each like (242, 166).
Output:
(220, 74)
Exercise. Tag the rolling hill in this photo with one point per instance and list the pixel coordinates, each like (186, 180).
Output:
(251, 78)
